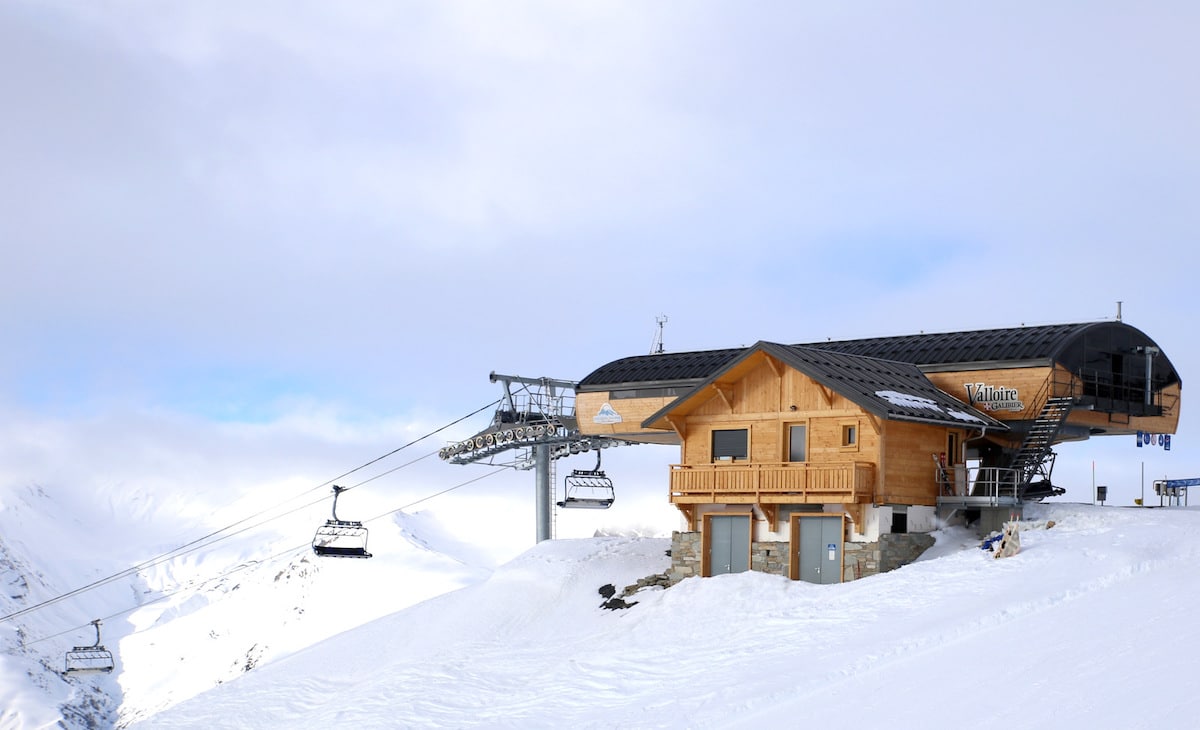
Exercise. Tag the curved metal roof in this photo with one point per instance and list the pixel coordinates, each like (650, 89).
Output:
(997, 345)
(1068, 344)
(665, 366)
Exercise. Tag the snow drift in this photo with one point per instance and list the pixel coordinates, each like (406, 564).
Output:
(1078, 627)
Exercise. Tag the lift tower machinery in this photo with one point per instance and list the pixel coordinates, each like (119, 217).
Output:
(535, 425)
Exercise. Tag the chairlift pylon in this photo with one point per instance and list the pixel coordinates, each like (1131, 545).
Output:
(340, 538)
(89, 659)
(587, 489)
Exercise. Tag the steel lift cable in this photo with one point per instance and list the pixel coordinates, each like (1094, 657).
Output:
(165, 594)
(410, 443)
(217, 536)
(178, 552)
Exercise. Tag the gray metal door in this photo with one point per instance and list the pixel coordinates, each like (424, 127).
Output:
(728, 544)
(820, 548)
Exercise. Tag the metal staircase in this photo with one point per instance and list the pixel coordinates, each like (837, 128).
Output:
(1035, 455)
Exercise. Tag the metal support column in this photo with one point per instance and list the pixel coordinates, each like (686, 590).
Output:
(543, 490)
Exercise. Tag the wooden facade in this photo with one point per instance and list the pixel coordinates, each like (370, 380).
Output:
(1033, 384)
(885, 425)
(606, 413)
(850, 456)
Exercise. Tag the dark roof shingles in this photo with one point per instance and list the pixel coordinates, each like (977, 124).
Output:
(996, 345)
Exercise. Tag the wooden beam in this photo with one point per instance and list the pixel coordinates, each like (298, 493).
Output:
(679, 424)
(689, 514)
(776, 366)
(726, 392)
(857, 516)
(771, 511)
(876, 424)
(826, 392)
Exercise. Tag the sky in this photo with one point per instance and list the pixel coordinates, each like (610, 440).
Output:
(1078, 629)
(248, 248)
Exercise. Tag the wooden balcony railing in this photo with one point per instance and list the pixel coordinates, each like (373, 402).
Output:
(777, 482)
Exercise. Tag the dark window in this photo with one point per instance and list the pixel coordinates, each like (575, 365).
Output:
(665, 392)
(730, 444)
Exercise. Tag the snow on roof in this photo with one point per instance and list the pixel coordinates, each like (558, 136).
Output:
(908, 400)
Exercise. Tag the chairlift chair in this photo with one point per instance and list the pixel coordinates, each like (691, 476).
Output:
(340, 538)
(89, 659)
(587, 489)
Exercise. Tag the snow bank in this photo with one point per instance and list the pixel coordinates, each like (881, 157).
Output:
(1054, 632)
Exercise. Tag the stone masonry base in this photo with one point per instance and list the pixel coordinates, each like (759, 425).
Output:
(860, 559)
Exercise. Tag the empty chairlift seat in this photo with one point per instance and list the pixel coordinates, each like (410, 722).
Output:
(88, 659)
(340, 538)
(587, 489)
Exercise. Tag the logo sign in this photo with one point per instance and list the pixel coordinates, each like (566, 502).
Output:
(994, 397)
(607, 414)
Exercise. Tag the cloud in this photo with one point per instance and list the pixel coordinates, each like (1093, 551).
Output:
(226, 211)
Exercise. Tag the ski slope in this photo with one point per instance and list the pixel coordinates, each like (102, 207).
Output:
(183, 626)
(1088, 626)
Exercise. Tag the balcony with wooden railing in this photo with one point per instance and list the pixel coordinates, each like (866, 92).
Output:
(772, 483)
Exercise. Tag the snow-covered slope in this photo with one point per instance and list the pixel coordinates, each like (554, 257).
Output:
(273, 607)
(192, 622)
(50, 545)
(1085, 627)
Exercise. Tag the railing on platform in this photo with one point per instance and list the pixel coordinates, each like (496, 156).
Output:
(847, 482)
(991, 485)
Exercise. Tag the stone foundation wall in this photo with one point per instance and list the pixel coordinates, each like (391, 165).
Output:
(685, 556)
(860, 559)
(769, 557)
(898, 550)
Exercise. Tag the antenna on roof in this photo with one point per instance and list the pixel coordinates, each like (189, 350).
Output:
(1118, 310)
(656, 347)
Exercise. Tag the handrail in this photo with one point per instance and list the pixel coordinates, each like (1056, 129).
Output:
(989, 484)
(854, 479)
(1102, 384)
(1060, 385)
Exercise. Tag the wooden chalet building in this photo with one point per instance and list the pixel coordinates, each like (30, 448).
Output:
(830, 461)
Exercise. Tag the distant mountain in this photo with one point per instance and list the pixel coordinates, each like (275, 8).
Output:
(194, 621)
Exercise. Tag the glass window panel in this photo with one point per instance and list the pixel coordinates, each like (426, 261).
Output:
(797, 436)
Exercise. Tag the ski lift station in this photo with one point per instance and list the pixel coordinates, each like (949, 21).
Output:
(831, 461)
